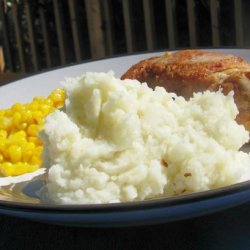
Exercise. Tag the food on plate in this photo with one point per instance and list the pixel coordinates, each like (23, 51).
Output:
(119, 140)
(20, 148)
(188, 71)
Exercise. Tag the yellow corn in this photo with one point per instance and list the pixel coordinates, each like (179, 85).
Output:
(20, 147)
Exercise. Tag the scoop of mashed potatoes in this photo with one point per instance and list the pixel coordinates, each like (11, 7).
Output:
(118, 140)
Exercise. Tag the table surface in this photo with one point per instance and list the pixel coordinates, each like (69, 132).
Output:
(229, 229)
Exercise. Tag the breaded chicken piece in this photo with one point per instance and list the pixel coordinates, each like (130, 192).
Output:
(187, 71)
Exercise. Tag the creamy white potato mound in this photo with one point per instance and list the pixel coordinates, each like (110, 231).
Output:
(118, 140)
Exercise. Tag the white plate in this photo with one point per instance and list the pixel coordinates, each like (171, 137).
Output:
(20, 199)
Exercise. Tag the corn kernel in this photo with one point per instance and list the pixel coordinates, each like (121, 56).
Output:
(6, 169)
(38, 99)
(16, 118)
(3, 134)
(15, 153)
(8, 113)
(22, 126)
(5, 123)
(20, 133)
(32, 167)
(34, 105)
(35, 140)
(27, 117)
(33, 130)
(36, 160)
(2, 144)
(48, 102)
(17, 107)
(58, 97)
(17, 138)
(46, 109)
(39, 150)
(26, 157)
(38, 116)
(28, 146)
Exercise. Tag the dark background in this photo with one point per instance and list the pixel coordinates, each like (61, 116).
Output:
(227, 27)
(226, 230)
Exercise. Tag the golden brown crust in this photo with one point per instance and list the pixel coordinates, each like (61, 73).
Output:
(188, 71)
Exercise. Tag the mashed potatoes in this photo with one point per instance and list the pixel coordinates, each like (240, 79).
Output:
(118, 140)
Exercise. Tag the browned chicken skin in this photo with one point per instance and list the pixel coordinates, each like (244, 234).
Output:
(188, 71)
